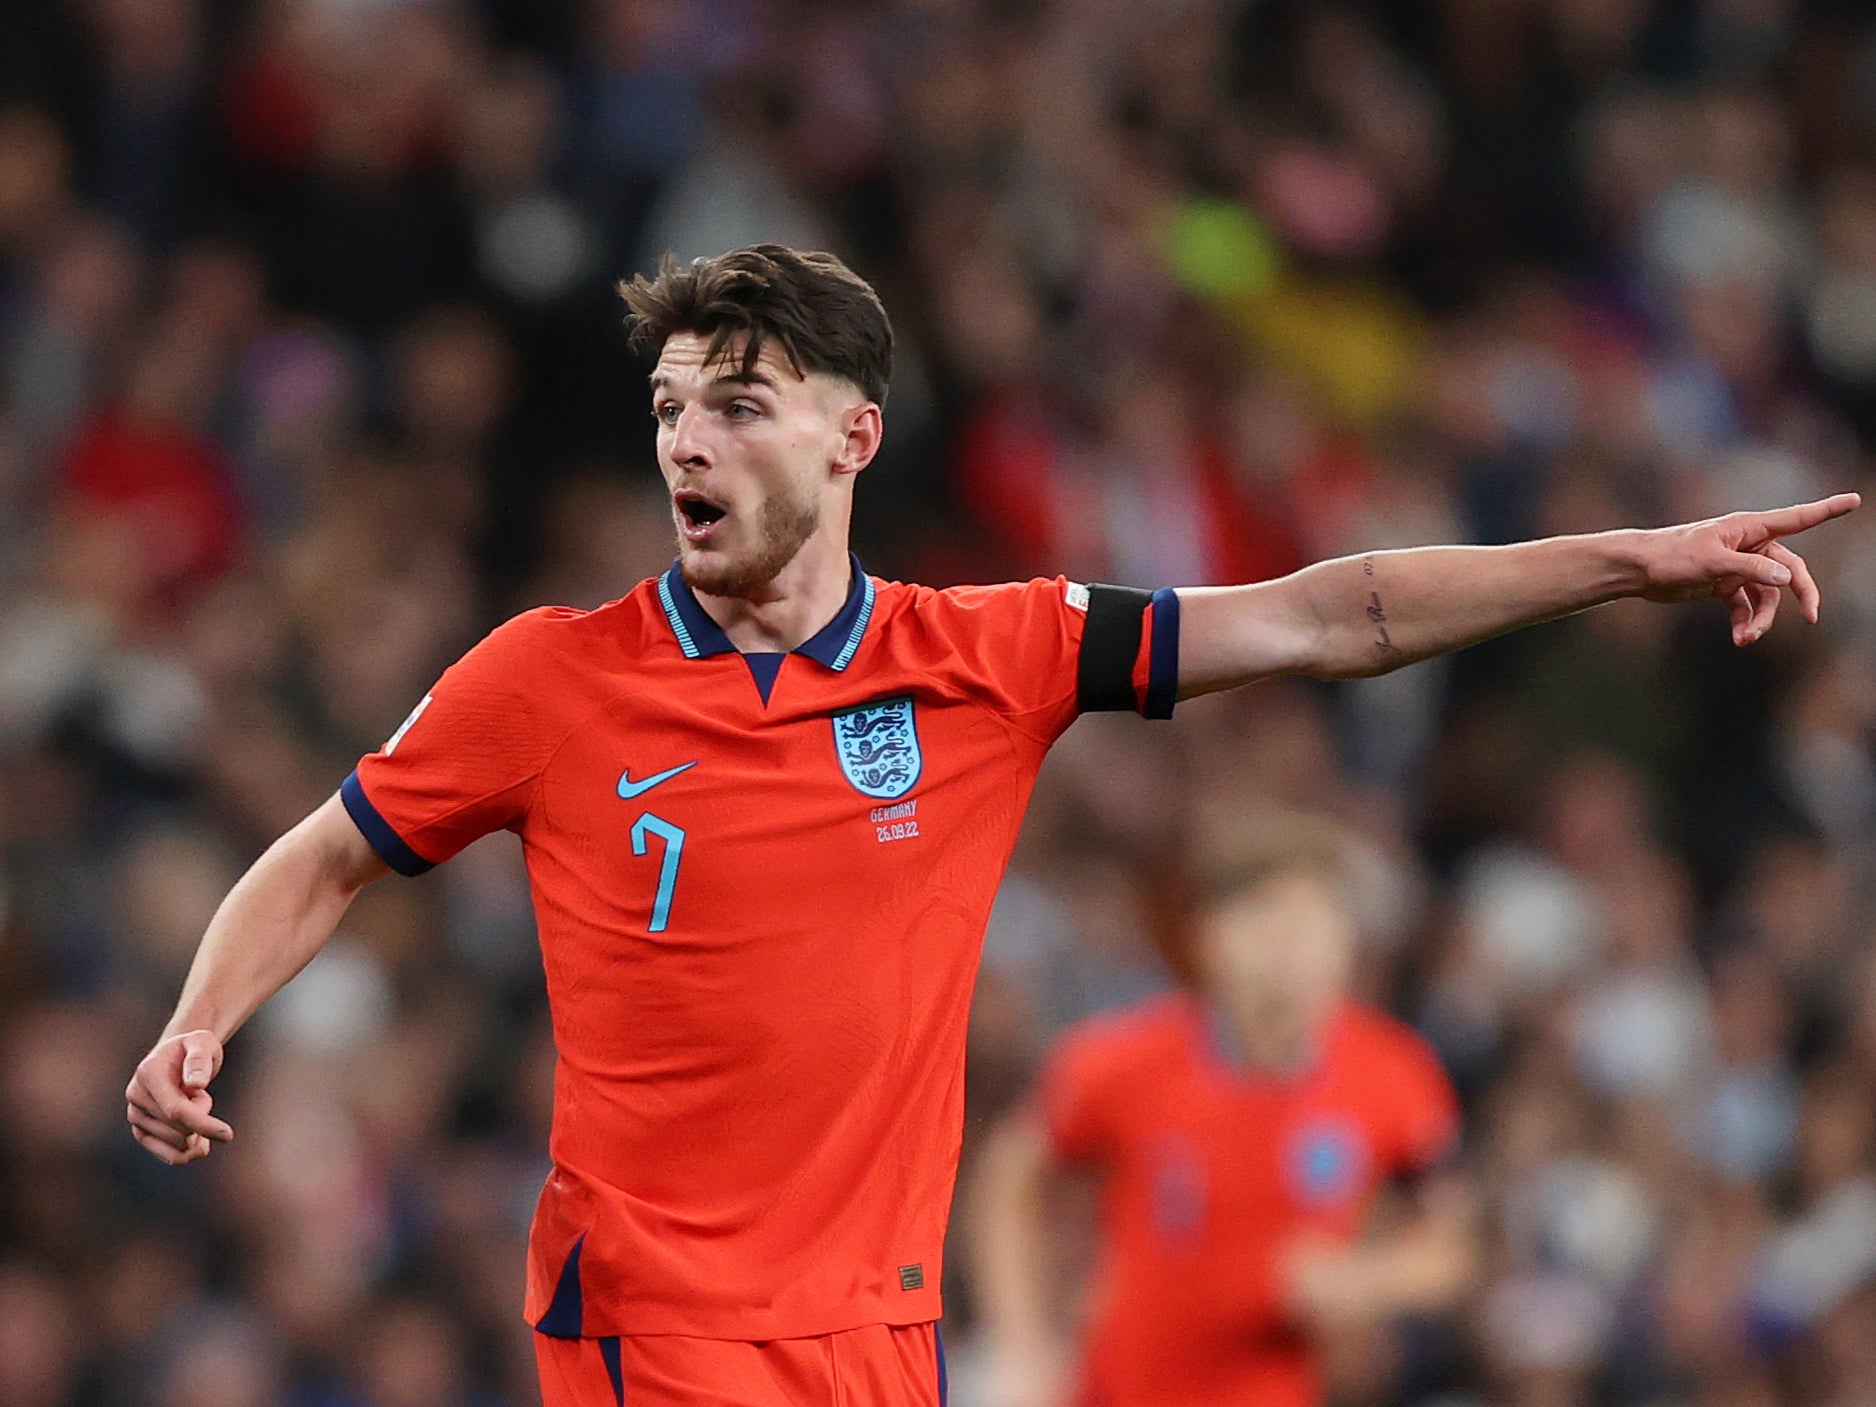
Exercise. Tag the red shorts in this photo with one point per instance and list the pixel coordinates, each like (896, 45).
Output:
(880, 1365)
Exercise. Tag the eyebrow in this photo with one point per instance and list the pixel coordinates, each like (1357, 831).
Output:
(736, 378)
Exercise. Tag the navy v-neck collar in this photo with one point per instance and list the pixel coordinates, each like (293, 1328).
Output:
(832, 646)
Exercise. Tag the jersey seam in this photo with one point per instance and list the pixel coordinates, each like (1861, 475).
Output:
(1040, 736)
(533, 781)
(1008, 718)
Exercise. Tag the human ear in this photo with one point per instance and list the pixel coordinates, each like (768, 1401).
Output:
(861, 430)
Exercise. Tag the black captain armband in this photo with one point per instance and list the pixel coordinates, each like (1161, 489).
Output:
(1111, 643)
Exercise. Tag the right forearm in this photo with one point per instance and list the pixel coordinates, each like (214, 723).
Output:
(268, 928)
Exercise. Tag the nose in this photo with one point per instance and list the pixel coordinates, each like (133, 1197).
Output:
(689, 444)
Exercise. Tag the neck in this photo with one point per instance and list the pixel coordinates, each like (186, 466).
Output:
(1269, 1040)
(805, 595)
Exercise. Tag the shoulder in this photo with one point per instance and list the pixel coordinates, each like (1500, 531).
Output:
(536, 625)
(979, 600)
(1094, 1080)
(1407, 1091)
(1373, 1030)
(1145, 1034)
(1392, 1050)
(569, 633)
(1024, 616)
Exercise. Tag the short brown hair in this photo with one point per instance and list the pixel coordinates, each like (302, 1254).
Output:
(1239, 853)
(825, 317)
(1237, 850)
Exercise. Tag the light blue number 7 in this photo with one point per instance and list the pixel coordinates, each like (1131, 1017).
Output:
(673, 837)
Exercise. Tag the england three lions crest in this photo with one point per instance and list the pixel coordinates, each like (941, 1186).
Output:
(878, 747)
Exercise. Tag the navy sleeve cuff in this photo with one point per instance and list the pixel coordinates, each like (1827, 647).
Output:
(387, 842)
(1162, 679)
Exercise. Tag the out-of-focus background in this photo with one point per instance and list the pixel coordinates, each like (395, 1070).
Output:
(310, 372)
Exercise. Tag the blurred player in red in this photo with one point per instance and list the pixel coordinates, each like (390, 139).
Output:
(765, 801)
(1241, 1131)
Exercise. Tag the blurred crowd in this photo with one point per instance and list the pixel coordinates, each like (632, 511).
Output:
(310, 372)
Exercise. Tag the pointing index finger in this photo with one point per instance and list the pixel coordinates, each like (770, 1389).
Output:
(1781, 522)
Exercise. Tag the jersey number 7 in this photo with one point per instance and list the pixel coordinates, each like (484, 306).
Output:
(673, 837)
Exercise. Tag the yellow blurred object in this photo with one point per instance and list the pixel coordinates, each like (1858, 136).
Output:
(1356, 345)
(1351, 341)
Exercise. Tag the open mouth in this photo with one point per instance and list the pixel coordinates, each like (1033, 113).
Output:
(696, 514)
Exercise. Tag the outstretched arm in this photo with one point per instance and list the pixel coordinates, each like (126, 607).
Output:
(1364, 615)
(267, 929)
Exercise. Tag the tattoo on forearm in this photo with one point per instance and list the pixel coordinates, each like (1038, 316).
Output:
(1378, 613)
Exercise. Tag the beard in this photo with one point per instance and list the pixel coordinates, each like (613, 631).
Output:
(783, 527)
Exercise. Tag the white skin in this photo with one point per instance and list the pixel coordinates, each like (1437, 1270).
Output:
(780, 456)
(777, 453)
(1274, 961)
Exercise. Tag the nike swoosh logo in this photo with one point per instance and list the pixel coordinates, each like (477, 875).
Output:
(629, 788)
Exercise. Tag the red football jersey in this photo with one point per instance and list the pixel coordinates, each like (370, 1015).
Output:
(761, 885)
(1210, 1173)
